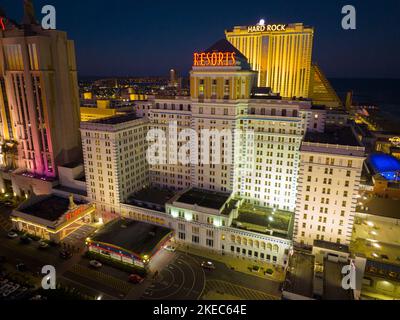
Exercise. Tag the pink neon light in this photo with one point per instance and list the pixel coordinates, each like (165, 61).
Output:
(3, 26)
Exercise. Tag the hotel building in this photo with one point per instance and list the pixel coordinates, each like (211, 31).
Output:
(282, 56)
(329, 180)
(243, 205)
(114, 152)
(39, 99)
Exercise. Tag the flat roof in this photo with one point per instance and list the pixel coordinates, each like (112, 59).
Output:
(151, 198)
(204, 198)
(300, 275)
(381, 207)
(49, 208)
(334, 135)
(118, 119)
(137, 237)
(331, 246)
(260, 219)
(333, 282)
(385, 165)
(71, 190)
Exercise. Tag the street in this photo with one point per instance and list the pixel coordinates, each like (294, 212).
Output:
(179, 277)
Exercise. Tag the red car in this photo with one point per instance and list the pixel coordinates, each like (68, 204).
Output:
(135, 279)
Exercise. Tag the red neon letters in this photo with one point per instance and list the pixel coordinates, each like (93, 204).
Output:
(214, 59)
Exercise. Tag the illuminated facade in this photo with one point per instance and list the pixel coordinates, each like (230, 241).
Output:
(115, 159)
(257, 158)
(51, 217)
(329, 180)
(39, 100)
(282, 56)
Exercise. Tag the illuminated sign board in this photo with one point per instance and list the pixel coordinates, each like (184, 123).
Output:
(214, 59)
(73, 214)
(269, 27)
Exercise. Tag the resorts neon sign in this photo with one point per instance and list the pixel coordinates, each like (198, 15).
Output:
(269, 27)
(214, 59)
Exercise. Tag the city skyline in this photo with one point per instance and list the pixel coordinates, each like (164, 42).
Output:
(150, 42)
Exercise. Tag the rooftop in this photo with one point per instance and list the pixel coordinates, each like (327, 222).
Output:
(300, 275)
(382, 207)
(151, 198)
(204, 198)
(265, 220)
(333, 282)
(48, 208)
(137, 237)
(224, 45)
(385, 165)
(331, 246)
(343, 136)
(116, 119)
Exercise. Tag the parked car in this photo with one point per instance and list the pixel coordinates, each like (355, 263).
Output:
(170, 248)
(65, 254)
(135, 279)
(25, 239)
(8, 203)
(95, 264)
(43, 245)
(21, 267)
(12, 235)
(208, 265)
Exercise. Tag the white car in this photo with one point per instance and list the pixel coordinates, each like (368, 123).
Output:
(208, 265)
(12, 235)
(95, 264)
(170, 248)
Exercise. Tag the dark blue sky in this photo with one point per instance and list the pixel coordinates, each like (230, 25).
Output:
(130, 37)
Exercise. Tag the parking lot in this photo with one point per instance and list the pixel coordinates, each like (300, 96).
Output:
(10, 290)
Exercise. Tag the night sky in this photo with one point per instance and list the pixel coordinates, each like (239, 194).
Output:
(136, 38)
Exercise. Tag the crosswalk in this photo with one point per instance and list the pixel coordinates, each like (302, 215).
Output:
(237, 291)
(102, 278)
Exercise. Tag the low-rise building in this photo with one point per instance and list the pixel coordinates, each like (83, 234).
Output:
(128, 241)
(51, 217)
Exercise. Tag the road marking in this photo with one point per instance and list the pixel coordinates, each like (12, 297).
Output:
(237, 290)
(102, 278)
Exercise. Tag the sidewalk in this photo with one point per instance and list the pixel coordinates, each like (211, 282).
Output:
(240, 264)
